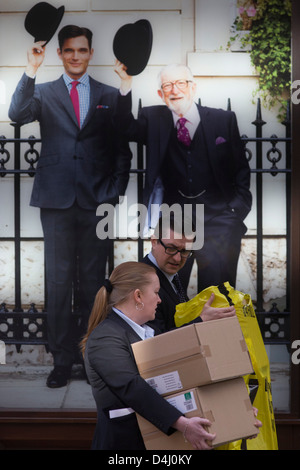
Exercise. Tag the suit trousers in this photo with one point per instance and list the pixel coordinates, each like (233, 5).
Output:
(217, 260)
(73, 252)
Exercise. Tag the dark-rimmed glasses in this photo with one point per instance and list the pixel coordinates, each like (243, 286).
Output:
(172, 251)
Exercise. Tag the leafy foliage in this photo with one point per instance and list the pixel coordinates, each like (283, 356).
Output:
(270, 40)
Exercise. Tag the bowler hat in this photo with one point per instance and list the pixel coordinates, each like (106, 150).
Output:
(42, 21)
(132, 45)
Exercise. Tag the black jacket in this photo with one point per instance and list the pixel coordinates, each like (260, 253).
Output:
(116, 383)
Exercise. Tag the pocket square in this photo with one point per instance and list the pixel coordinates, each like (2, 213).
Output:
(220, 140)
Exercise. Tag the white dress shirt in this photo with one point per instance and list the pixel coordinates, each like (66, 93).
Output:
(193, 119)
(144, 331)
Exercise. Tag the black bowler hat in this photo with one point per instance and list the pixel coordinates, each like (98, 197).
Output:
(42, 21)
(132, 45)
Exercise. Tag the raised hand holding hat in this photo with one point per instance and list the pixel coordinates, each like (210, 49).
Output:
(132, 46)
(42, 21)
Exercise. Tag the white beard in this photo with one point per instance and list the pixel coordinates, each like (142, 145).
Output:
(180, 107)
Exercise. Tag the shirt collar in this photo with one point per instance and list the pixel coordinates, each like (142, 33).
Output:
(170, 277)
(192, 115)
(84, 79)
(144, 331)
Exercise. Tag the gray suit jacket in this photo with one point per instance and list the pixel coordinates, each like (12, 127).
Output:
(90, 164)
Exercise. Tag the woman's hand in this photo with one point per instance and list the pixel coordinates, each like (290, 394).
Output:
(193, 430)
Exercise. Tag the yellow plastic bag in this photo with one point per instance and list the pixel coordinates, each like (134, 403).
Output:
(258, 383)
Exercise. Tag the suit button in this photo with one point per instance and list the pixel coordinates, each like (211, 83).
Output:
(75, 157)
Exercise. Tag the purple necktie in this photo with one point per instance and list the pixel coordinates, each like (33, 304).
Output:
(75, 100)
(183, 134)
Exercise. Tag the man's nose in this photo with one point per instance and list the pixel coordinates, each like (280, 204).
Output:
(177, 256)
(175, 89)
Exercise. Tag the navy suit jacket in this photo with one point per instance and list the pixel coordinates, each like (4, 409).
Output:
(89, 164)
(224, 146)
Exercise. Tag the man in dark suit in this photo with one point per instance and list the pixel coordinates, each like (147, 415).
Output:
(194, 156)
(171, 248)
(83, 163)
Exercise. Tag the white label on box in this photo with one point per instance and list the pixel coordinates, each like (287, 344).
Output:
(165, 383)
(184, 402)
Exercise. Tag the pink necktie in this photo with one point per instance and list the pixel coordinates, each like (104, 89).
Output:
(75, 100)
(183, 134)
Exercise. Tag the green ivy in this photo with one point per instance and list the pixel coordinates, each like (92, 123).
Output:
(270, 40)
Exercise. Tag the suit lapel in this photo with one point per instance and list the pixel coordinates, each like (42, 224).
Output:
(62, 93)
(209, 132)
(166, 125)
(166, 286)
(133, 336)
(95, 95)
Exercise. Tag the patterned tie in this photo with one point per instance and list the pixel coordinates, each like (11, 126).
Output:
(179, 288)
(183, 134)
(75, 100)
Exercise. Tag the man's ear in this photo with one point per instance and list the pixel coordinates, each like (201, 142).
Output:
(59, 53)
(194, 88)
(154, 241)
(160, 94)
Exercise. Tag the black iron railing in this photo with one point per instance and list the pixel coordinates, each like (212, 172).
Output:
(21, 327)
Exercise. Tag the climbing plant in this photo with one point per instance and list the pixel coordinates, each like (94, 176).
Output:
(269, 36)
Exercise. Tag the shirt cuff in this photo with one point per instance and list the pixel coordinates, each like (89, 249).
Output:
(122, 93)
(30, 76)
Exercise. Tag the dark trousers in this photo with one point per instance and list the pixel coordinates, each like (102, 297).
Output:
(72, 251)
(218, 259)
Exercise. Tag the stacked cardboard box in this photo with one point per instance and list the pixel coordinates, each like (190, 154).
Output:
(199, 369)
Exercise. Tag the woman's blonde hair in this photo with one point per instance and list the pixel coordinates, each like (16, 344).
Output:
(124, 279)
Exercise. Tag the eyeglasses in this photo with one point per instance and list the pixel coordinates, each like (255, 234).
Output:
(180, 84)
(169, 250)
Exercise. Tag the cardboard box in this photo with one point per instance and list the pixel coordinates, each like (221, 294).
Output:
(193, 355)
(226, 404)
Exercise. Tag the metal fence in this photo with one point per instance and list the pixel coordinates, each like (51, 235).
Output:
(19, 327)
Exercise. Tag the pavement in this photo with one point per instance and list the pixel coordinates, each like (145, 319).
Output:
(24, 387)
